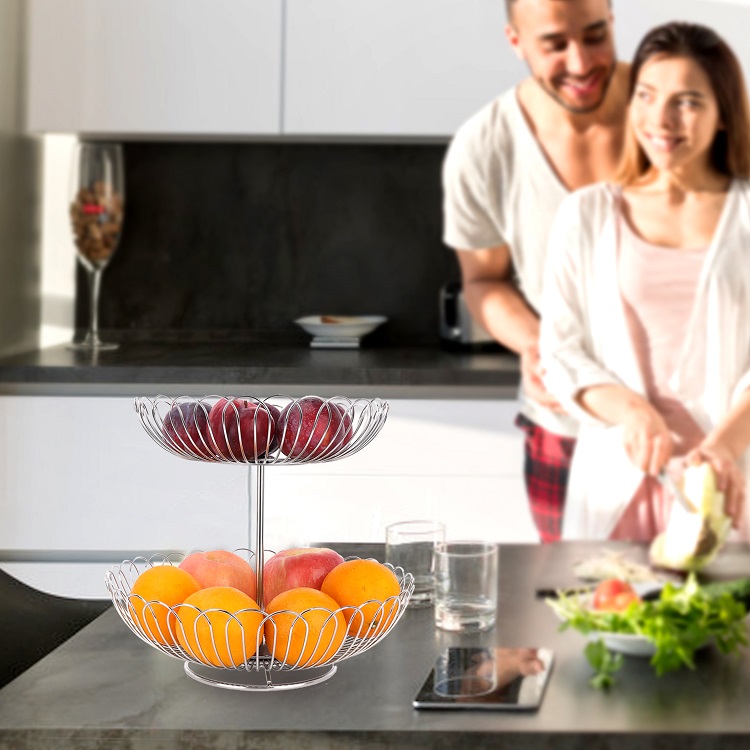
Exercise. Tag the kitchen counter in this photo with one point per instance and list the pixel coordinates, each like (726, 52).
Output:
(201, 367)
(104, 688)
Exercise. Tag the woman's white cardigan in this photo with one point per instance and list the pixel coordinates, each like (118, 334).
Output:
(585, 341)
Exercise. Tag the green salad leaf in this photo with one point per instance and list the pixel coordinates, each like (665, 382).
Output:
(681, 621)
(604, 662)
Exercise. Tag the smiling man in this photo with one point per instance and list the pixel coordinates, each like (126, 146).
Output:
(506, 172)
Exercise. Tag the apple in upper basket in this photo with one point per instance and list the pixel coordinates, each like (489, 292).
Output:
(221, 568)
(276, 417)
(302, 567)
(312, 427)
(185, 428)
(242, 429)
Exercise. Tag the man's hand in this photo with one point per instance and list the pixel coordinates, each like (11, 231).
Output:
(729, 478)
(531, 375)
(646, 438)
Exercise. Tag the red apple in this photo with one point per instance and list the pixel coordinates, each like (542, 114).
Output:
(276, 417)
(300, 567)
(241, 425)
(312, 427)
(221, 568)
(185, 428)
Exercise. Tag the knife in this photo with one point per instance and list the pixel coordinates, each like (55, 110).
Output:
(668, 483)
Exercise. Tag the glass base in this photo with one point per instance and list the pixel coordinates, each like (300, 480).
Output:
(421, 599)
(465, 615)
(92, 345)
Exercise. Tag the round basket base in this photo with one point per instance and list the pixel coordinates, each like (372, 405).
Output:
(258, 679)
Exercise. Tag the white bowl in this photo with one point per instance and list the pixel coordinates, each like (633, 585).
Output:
(339, 330)
(628, 644)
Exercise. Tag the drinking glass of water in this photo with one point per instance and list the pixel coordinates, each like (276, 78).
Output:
(466, 576)
(410, 545)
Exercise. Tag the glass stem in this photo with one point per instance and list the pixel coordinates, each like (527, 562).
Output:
(96, 280)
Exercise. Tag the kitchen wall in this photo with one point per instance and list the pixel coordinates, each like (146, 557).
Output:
(58, 251)
(240, 239)
(20, 192)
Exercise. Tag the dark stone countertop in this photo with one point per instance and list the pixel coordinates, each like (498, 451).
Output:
(105, 688)
(182, 367)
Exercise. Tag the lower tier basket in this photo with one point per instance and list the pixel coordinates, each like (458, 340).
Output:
(249, 649)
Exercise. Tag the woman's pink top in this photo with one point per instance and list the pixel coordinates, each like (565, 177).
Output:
(658, 286)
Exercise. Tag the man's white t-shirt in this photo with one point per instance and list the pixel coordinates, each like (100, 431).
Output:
(500, 189)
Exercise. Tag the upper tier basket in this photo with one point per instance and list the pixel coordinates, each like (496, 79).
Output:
(269, 431)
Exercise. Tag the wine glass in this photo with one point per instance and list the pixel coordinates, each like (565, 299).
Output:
(96, 212)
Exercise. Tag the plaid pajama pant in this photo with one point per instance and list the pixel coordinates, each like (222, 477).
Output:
(547, 458)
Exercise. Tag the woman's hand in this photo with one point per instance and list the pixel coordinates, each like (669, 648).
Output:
(729, 477)
(646, 438)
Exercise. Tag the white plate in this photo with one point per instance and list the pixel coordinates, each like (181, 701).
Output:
(341, 328)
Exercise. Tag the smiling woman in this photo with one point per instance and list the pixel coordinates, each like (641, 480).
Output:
(644, 322)
(686, 90)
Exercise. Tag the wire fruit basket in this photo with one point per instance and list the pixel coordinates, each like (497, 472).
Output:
(262, 432)
(250, 649)
(218, 646)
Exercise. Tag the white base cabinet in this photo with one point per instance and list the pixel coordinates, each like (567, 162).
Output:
(456, 461)
(79, 476)
(82, 474)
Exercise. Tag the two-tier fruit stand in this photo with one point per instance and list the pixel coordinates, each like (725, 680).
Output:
(257, 432)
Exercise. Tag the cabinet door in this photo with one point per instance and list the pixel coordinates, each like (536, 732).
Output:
(150, 67)
(81, 474)
(728, 17)
(393, 67)
(460, 462)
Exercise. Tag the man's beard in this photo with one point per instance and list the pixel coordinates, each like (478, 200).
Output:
(572, 108)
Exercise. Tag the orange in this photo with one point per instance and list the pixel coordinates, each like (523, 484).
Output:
(219, 625)
(369, 587)
(305, 627)
(153, 593)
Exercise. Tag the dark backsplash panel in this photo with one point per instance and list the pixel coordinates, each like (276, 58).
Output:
(238, 240)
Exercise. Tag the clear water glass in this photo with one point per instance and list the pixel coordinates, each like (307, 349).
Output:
(466, 581)
(410, 545)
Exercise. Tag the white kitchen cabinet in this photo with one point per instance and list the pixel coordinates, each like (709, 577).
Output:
(393, 67)
(79, 476)
(727, 17)
(150, 67)
(332, 68)
(421, 67)
(460, 462)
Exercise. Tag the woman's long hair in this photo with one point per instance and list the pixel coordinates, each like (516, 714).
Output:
(730, 151)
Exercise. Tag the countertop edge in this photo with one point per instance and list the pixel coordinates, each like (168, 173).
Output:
(295, 390)
(174, 369)
(178, 739)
